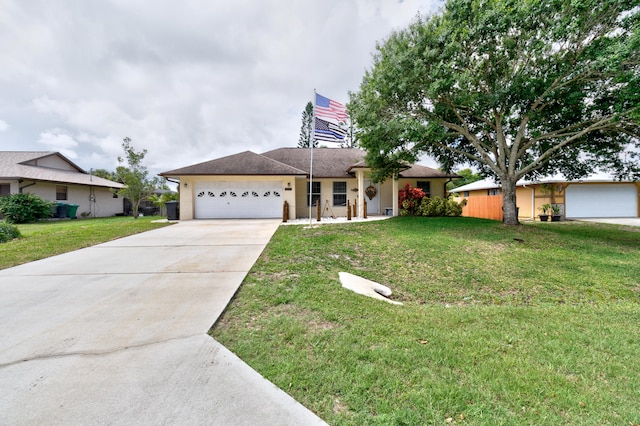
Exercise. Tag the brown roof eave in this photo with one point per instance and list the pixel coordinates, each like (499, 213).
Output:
(176, 175)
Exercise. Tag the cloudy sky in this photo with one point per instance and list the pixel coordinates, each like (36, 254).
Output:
(189, 81)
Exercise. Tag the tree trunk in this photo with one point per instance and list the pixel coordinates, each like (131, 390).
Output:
(510, 212)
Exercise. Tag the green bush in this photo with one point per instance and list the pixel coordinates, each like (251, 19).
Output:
(438, 207)
(24, 208)
(8, 232)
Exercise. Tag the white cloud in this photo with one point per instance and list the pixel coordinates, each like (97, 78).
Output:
(3, 125)
(188, 81)
(58, 140)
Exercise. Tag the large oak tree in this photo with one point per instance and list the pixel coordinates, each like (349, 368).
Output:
(516, 88)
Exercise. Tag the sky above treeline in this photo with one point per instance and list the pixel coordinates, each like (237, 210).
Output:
(189, 81)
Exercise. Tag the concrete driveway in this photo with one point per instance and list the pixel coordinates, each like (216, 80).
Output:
(628, 221)
(117, 333)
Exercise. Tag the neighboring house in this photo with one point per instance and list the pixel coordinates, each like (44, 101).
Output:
(597, 196)
(53, 177)
(250, 185)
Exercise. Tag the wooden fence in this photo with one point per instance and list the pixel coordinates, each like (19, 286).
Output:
(484, 206)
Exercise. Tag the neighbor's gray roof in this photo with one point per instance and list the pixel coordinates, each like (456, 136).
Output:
(489, 183)
(327, 163)
(12, 167)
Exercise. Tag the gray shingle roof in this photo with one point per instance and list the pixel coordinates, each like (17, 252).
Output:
(12, 167)
(327, 163)
(418, 171)
(244, 163)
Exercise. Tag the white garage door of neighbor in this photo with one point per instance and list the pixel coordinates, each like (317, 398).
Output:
(589, 200)
(243, 200)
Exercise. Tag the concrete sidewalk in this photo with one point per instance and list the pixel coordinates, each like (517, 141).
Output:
(117, 333)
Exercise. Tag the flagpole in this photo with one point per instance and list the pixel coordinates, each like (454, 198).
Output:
(311, 142)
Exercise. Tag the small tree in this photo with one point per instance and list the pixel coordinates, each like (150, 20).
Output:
(104, 174)
(467, 177)
(306, 131)
(351, 140)
(138, 186)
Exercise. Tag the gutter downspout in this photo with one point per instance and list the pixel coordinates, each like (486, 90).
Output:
(20, 188)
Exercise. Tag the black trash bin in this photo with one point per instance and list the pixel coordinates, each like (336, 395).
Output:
(62, 211)
(173, 210)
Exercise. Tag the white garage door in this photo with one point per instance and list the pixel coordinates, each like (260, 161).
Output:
(225, 200)
(589, 200)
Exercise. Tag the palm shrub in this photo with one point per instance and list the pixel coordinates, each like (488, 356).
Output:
(8, 232)
(24, 208)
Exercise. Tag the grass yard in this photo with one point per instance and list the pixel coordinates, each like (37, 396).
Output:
(48, 238)
(537, 324)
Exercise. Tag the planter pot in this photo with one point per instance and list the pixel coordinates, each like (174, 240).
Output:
(556, 218)
(544, 218)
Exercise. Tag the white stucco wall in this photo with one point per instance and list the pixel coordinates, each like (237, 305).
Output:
(92, 201)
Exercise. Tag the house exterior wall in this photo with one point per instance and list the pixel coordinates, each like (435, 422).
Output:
(53, 162)
(529, 198)
(187, 189)
(92, 201)
(326, 197)
(438, 185)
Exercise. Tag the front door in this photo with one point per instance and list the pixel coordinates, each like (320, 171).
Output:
(372, 196)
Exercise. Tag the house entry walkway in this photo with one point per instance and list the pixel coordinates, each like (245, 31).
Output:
(117, 333)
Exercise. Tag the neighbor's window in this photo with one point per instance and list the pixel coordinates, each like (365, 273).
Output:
(61, 193)
(5, 189)
(465, 194)
(494, 191)
(339, 193)
(315, 196)
(425, 186)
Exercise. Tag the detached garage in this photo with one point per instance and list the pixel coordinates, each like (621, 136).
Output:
(601, 200)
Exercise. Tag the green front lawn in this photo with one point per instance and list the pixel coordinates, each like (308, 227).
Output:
(48, 238)
(530, 325)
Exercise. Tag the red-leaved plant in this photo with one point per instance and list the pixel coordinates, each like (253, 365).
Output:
(409, 199)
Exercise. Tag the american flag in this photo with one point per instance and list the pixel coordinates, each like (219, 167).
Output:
(329, 132)
(330, 110)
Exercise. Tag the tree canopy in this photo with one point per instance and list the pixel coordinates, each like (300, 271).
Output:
(134, 175)
(517, 89)
(306, 130)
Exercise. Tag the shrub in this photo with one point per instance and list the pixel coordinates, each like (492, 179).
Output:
(8, 232)
(409, 199)
(438, 206)
(24, 208)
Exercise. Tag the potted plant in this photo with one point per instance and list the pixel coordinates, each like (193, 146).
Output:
(546, 210)
(555, 213)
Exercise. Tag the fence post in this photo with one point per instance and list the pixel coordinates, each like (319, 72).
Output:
(355, 208)
(285, 212)
(364, 210)
(317, 210)
(348, 210)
